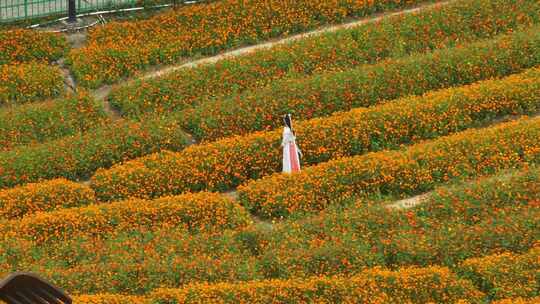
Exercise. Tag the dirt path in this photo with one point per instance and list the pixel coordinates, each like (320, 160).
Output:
(69, 81)
(101, 95)
(409, 202)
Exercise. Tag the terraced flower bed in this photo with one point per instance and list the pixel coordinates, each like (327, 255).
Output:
(40, 122)
(24, 66)
(46, 196)
(121, 49)
(324, 94)
(506, 275)
(420, 175)
(413, 285)
(193, 212)
(417, 285)
(78, 156)
(225, 164)
(501, 215)
(29, 82)
(454, 24)
(28, 45)
(410, 171)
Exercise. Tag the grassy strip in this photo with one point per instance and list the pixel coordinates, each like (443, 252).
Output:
(78, 156)
(505, 275)
(324, 94)
(203, 211)
(225, 164)
(463, 221)
(29, 82)
(121, 49)
(22, 45)
(456, 23)
(40, 122)
(411, 171)
(47, 196)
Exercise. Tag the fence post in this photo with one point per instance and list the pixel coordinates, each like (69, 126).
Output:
(72, 11)
(25, 9)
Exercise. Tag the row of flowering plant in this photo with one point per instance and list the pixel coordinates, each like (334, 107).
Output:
(472, 219)
(226, 163)
(376, 285)
(46, 196)
(120, 49)
(78, 156)
(110, 299)
(410, 171)
(405, 285)
(506, 275)
(202, 211)
(467, 220)
(323, 94)
(40, 122)
(396, 36)
(23, 45)
(28, 82)
(518, 300)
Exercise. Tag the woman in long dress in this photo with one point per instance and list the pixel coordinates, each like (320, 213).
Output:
(291, 153)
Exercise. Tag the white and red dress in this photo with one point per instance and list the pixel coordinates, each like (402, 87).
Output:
(291, 153)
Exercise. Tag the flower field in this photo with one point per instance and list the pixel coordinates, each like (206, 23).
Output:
(121, 49)
(224, 164)
(193, 212)
(27, 45)
(506, 275)
(429, 285)
(409, 171)
(373, 286)
(457, 23)
(25, 74)
(29, 82)
(419, 132)
(345, 241)
(325, 93)
(47, 196)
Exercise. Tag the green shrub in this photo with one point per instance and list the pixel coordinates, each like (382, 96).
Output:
(40, 122)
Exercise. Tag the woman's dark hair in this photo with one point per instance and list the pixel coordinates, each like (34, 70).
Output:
(287, 120)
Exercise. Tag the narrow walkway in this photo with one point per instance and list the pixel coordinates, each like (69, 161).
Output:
(69, 81)
(409, 202)
(101, 95)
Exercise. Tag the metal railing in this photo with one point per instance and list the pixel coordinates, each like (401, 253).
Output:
(13, 10)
